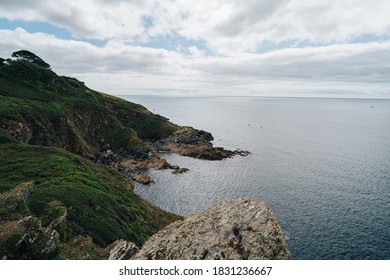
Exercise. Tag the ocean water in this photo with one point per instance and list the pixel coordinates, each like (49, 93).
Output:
(323, 165)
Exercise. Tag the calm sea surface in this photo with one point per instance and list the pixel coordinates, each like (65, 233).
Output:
(323, 165)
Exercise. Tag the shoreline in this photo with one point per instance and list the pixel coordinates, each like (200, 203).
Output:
(186, 141)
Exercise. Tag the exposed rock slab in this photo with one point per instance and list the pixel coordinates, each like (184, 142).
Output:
(122, 250)
(231, 230)
(153, 161)
(136, 168)
(141, 178)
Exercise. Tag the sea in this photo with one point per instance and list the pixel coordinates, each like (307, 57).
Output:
(323, 166)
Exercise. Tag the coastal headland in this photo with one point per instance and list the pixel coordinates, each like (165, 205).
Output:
(68, 156)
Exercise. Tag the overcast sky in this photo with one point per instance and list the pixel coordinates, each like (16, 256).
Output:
(231, 47)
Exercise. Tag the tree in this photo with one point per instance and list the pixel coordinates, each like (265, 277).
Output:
(2, 61)
(29, 56)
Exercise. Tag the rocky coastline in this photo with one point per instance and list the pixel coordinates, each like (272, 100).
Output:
(237, 229)
(62, 197)
(186, 141)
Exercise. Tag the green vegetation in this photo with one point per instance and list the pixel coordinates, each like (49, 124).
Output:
(24, 55)
(63, 112)
(52, 128)
(99, 201)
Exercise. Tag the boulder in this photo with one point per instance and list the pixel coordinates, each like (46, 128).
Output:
(230, 230)
(122, 250)
(141, 178)
(178, 170)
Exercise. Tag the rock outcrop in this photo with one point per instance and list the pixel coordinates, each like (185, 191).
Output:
(187, 141)
(234, 229)
(21, 234)
(122, 250)
(55, 131)
(134, 168)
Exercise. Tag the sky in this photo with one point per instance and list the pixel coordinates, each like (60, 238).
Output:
(310, 48)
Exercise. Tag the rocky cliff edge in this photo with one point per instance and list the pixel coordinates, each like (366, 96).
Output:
(230, 230)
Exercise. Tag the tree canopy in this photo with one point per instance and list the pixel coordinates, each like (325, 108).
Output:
(29, 56)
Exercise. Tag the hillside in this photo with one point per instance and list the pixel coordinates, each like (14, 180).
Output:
(68, 156)
(39, 107)
(56, 200)
(44, 184)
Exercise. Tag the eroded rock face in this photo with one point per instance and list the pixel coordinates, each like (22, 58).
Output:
(122, 250)
(231, 230)
(18, 130)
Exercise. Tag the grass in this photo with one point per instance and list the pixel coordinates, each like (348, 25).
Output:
(63, 112)
(99, 201)
(50, 129)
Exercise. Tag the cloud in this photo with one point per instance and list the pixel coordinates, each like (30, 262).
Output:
(339, 63)
(84, 60)
(224, 26)
(119, 68)
(236, 26)
(80, 57)
(93, 19)
(218, 47)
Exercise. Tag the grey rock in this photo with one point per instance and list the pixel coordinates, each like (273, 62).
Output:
(179, 170)
(58, 221)
(141, 178)
(234, 229)
(122, 250)
(52, 244)
(30, 223)
(20, 131)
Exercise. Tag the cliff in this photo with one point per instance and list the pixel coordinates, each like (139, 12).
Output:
(238, 229)
(68, 155)
(38, 107)
(63, 139)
